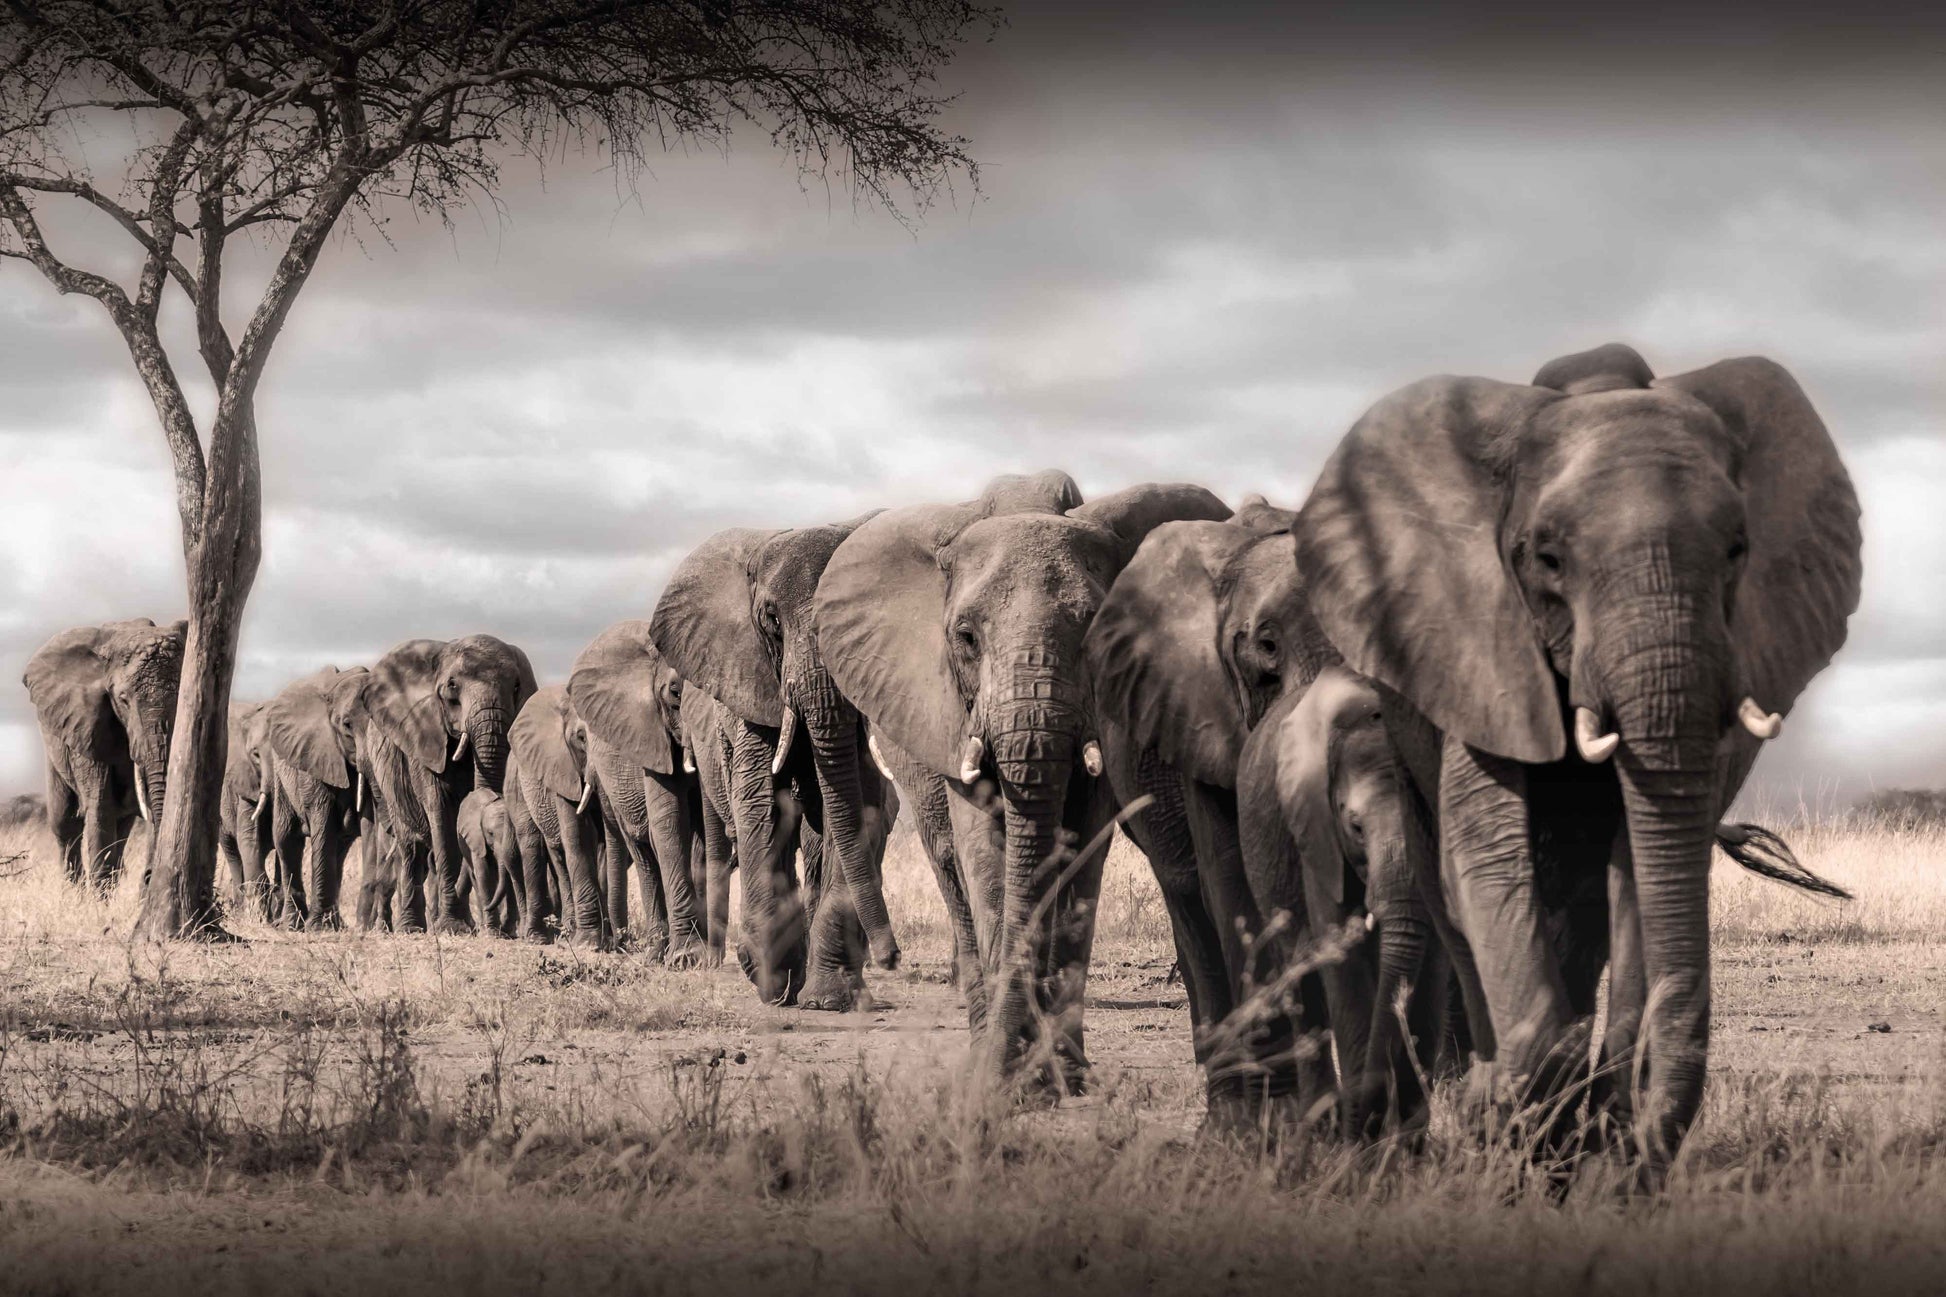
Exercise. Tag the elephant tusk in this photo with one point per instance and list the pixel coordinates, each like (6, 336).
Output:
(1091, 757)
(1594, 746)
(785, 735)
(358, 802)
(142, 792)
(878, 758)
(1763, 724)
(688, 762)
(970, 758)
(587, 794)
(459, 748)
(261, 809)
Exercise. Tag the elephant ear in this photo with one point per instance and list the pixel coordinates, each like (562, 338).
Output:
(1802, 578)
(1307, 744)
(539, 740)
(880, 617)
(1153, 650)
(1399, 545)
(403, 700)
(613, 687)
(704, 627)
(1135, 512)
(67, 680)
(1048, 491)
(1614, 367)
(299, 727)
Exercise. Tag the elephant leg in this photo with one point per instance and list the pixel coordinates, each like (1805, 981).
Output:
(719, 859)
(535, 864)
(325, 859)
(438, 909)
(1622, 1073)
(670, 831)
(767, 823)
(226, 848)
(979, 849)
(64, 820)
(1486, 866)
(1071, 940)
(254, 848)
(101, 846)
(828, 981)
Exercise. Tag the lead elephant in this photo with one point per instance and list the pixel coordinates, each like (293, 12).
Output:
(630, 701)
(1655, 567)
(244, 835)
(735, 620)
(106, 700)
(1204, 632)
(312, 735)
(436, 715)
(957, 630)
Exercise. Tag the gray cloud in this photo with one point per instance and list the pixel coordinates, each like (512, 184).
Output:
(1202, 249)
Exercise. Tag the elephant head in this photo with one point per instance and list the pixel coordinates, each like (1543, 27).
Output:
(312, 727)
(1204, 629)
(1343, 799)
(435, 698)
(108, 694)
(736, 619)
(550, 741)
(958, 630)
(246, 773)
(629, 697)
(1658, 566)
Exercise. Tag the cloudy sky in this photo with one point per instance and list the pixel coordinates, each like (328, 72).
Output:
(1207, 239)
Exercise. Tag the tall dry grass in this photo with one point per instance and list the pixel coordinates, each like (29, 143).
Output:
(351, 1110)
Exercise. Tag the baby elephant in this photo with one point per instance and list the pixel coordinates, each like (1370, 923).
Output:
(492, 861)
(1325, 829)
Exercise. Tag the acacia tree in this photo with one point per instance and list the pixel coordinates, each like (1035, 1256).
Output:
(278, 121)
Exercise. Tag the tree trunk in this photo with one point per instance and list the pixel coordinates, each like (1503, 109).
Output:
(221, 558)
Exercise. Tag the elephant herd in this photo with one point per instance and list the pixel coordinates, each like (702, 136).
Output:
(1476, 709)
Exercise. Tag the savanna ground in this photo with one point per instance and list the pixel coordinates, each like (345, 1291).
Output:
(348, 1113)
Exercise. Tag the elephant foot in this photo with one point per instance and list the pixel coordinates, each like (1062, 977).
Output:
(329, 921)
(452, 925)
(215, 934)
(885, 954)
(687, 954)
(537, 936)
(828, 992)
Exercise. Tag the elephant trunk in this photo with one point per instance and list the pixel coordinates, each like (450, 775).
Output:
(1402, 940)
(833, 725)
(1033, 741)
(1669, 699)
(486, 731)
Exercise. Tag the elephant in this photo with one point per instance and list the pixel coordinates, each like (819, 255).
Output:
(106, 700)
(1202, 634)
(557, 831)
(1655, 568)
(248, 791)
(1327, 834)
(493, 862)
(707, 744)
(436, 715)
(735, 620)
(630, 702)
(312, 734)
(957, 631)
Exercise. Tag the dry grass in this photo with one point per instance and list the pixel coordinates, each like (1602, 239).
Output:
(334, 1112)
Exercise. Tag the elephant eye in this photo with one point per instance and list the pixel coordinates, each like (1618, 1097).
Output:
(1548, 559)
(1738, 548)
(968, 642)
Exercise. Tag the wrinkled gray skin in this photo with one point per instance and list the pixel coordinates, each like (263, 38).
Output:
(486, 838)
(630, 702)
(312, 734)
(957, 631)
(708, 740)
(556, 825)
(1203, 632)
(248, 790)
(106, 700)
(1499, 556)
(736, 621)
(424, 697)
(1328, 837)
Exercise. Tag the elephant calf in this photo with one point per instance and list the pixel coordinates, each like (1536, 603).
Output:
(486, 839)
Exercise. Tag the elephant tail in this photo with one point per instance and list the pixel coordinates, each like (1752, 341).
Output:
(1760, 851)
